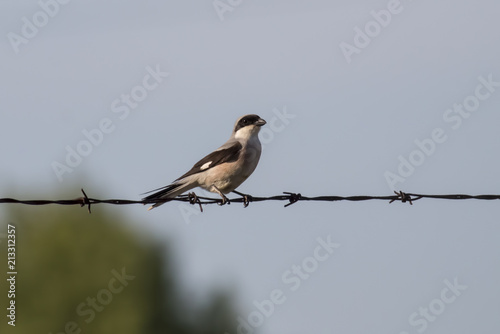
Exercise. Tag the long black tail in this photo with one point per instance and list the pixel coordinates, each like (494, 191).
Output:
(162, 192)
(170, 191)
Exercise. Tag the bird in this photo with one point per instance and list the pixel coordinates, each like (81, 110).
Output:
(223, 170)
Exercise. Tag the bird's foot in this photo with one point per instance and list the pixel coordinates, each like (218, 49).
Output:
(224, 200)
(221, 194)
(246, 198)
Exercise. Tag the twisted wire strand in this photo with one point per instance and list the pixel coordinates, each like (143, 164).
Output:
(290, 197)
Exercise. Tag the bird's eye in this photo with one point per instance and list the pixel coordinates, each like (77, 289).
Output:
(245, 121)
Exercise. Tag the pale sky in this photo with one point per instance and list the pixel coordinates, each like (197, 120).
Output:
(355, 93)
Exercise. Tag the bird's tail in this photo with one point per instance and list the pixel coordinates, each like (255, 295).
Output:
(168, 192)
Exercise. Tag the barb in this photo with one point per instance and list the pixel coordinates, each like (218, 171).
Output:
(85, 200)
(290, 197)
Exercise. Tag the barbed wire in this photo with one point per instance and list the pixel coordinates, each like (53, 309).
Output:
(290, 197)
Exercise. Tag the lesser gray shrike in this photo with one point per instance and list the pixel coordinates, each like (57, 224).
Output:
(223, 170)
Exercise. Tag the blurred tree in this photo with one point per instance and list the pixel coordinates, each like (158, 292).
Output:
(81, 273)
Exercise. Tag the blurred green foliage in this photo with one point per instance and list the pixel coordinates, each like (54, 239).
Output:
(81, 273)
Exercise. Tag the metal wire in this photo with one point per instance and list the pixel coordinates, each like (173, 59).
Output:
(290, 197)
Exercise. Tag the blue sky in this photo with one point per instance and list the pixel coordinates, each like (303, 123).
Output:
(416, 96)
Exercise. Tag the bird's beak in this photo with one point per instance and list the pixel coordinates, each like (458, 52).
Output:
(260, 122)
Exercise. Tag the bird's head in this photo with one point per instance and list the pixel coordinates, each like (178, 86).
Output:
(248, 126)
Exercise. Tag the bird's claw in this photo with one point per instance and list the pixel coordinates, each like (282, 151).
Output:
(246, 200)
(224, 200)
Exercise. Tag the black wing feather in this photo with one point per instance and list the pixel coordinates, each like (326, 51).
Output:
(218, 157)
(228, 154)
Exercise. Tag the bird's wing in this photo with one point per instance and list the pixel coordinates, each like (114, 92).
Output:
(226, 153)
